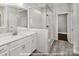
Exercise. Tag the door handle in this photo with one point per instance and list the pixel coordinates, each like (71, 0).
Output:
(47, 26)
(72, 29)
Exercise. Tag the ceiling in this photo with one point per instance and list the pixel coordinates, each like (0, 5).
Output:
(38, 5)
(43, 4)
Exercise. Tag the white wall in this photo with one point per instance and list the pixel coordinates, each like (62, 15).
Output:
(62, 7)
(0, 20)
(35, 18)
(58, 9)
(76, 28)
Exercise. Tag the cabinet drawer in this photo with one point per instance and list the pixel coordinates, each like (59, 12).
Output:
(28, 46)
(17, 51)
(4, 54)
(33, 36)
(15, 43)
(3, 48)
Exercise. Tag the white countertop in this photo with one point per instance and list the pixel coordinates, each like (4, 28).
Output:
(10, 38)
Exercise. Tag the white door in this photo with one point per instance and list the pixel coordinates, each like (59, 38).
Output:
(69, 26)
(62, 23)
(49, 25)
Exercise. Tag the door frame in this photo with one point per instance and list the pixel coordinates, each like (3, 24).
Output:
(69, 34)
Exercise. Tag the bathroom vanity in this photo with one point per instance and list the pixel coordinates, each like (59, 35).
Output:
(25, 39)
(22, 44)
(43, 42)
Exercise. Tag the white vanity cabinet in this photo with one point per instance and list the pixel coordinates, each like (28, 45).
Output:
(4, 53)
(4, 50)
(24, 46)
(34, 42)
(16, 48)
(30, 44)
(43, 41)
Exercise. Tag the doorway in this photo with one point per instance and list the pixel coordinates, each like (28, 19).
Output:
(62, 27)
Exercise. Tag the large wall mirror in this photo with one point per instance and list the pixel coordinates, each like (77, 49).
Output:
(3, 21)
(12, 17)
(22, 18)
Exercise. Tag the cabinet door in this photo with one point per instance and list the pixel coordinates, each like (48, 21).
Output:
(4, 50)
(4, 54)
(42, 41)
(33, 47)
(18, 50)
(28, 46)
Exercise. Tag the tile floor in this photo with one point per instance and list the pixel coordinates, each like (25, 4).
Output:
(58, 48)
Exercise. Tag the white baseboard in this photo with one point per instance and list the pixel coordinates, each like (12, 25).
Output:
(62, 32)
(75, 51)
